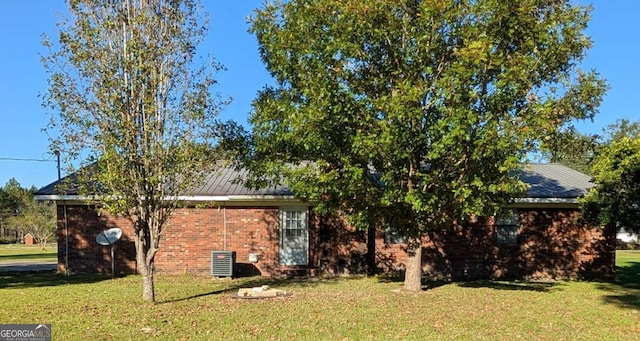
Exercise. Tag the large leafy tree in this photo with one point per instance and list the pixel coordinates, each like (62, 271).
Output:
(615, 200)
(134, 107)
(415, 113)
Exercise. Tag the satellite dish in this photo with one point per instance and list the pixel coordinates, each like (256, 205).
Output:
(109, 237)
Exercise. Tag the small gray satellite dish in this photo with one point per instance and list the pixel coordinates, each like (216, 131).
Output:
(108, 238)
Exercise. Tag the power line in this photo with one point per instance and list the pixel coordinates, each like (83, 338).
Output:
(24, 159)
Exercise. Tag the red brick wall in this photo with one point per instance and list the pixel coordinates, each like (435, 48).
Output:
(553, 245)
(194, 232)
(85, 254)
(550, 245)
(185, 245)
(337, 248)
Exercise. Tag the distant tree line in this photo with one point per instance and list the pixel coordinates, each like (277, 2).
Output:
(580, 151)
(20, 215)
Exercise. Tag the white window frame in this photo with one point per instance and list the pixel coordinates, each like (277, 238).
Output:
(508, 227)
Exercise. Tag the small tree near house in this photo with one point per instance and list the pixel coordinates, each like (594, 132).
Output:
(415, 113)
(37, 219)
(133, 110)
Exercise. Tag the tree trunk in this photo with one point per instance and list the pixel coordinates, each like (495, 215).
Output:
(413, 274)
(148, 288)
(145, 268)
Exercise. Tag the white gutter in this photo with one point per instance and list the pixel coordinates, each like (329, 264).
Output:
(65, 197)
(218, 198)
(546, 200)
(260, 197)
(202, 198)
(233, 197)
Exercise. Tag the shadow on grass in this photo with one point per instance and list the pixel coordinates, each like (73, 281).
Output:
(35, 279)
(236, 284)
(397, 278)
(497, 285)
(518, 286)
(625, 290)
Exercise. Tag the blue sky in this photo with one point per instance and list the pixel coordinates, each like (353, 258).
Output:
(615, 29)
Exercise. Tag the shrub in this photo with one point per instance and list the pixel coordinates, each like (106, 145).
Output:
(622, 245)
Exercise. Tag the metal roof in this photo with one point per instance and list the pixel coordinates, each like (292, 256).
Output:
(228, 181)
(225, 181)
(545, 180)
(552, 180)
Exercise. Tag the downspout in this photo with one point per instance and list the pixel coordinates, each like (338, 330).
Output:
(224, 228)
(66, 238)
(66, 221)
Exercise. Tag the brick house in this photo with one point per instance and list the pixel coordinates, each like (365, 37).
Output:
(271, 234)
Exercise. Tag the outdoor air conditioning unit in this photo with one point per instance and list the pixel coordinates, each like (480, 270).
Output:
(222, 263)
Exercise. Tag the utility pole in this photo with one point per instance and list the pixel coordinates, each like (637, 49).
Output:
(57, 152)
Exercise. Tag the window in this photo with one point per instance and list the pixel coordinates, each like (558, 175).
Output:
(294, 223)
(393, 237)
(507, 224)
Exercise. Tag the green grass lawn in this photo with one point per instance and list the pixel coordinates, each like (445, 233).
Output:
(201, 308)
(16, 252)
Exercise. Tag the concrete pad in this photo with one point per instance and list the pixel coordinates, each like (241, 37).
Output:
(261, 292)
